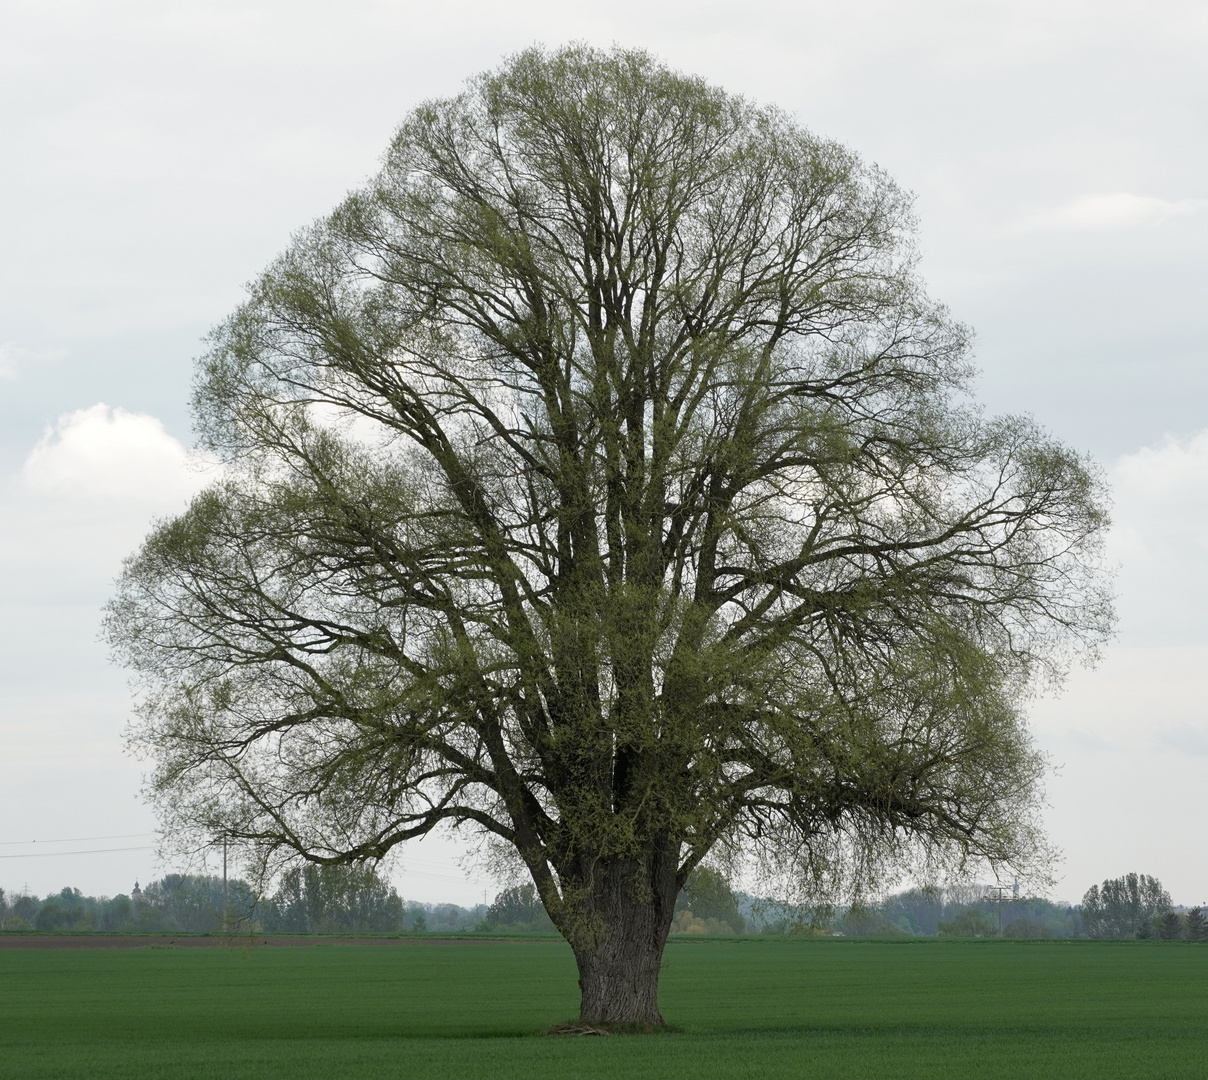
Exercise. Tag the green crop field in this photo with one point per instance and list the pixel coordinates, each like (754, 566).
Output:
(742, 1008)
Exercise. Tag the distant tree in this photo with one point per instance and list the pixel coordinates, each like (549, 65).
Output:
(24, 907)
(871, 921)
(921, 911)
(1026, 927)
(1197, 924)
(708, 896)
(50, 917)
(1123, 907)
(972, 922)
(334, 899)
(1171, 926)
(518, 908)
(193, 902)
(118, 914)
(66, 910)
(152, 920)
(916, 911)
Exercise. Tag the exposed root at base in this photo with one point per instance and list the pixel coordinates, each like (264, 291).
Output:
(580, 1028)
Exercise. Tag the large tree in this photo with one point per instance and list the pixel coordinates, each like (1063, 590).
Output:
(601, 477)
(1124, 906)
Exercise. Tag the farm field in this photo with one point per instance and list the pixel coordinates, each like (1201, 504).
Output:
(743, 1007)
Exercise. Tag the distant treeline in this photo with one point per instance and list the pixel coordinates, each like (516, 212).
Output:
(312, 900)
(1132, 906)
(346, 899)
(971, 911)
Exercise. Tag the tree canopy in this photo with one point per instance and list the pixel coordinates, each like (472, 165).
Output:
(1123, 907)
(601, 477)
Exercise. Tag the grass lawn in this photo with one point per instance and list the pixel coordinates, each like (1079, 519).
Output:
(745, 1008)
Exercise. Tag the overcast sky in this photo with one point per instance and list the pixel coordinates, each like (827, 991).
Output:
(155, 155)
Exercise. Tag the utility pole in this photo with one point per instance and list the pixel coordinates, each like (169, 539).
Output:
(224, 883)
(998, 894)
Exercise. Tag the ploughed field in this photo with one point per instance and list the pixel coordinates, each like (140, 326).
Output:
(741, 1008)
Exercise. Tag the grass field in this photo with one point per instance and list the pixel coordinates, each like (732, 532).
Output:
(745, 1008)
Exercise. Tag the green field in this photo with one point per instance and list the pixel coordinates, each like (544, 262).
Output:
(744, 1008)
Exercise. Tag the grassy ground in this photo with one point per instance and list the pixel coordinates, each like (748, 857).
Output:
(758, 1008)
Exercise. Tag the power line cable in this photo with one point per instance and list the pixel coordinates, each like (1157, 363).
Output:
(75, 839)
(92, 851)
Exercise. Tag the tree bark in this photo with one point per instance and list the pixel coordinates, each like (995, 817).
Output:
(620, 950)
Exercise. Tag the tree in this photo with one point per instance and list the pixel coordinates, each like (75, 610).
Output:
(971, 922)
(1171, 926)
(517, 908)
(333, 898)
(1197, 925)
(194, 902)
(601, 477)
(1124, 906)
(707, 896)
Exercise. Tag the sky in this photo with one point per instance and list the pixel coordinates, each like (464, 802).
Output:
(156, 155)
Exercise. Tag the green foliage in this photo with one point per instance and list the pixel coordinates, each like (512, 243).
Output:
(1124, 907)
(707, 904)
(24, 907)
(924, 912)
(194, 902)
(518, 908)
(601, 477)
(794, 1009)
(1170, 927)
(971, 922)
(862, 921)
(348, 900)
(333, 899)
(1197, 924)
(449, 918)
(71, 910)
(747, 524)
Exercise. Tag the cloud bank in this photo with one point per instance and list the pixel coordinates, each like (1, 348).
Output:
(103, 453)
(1162, 507)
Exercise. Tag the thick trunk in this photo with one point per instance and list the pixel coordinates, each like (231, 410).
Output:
(619, 978)
(621, 951)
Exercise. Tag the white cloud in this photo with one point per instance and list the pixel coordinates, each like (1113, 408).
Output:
(1174, 468)
(84, 499)
(1162, 500)
(1108, 212)
(109, 453)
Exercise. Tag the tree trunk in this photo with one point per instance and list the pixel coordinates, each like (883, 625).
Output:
(620, 950)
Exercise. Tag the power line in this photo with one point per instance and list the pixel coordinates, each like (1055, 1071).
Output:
(93, 851)
(74, 839)
(412, 866)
